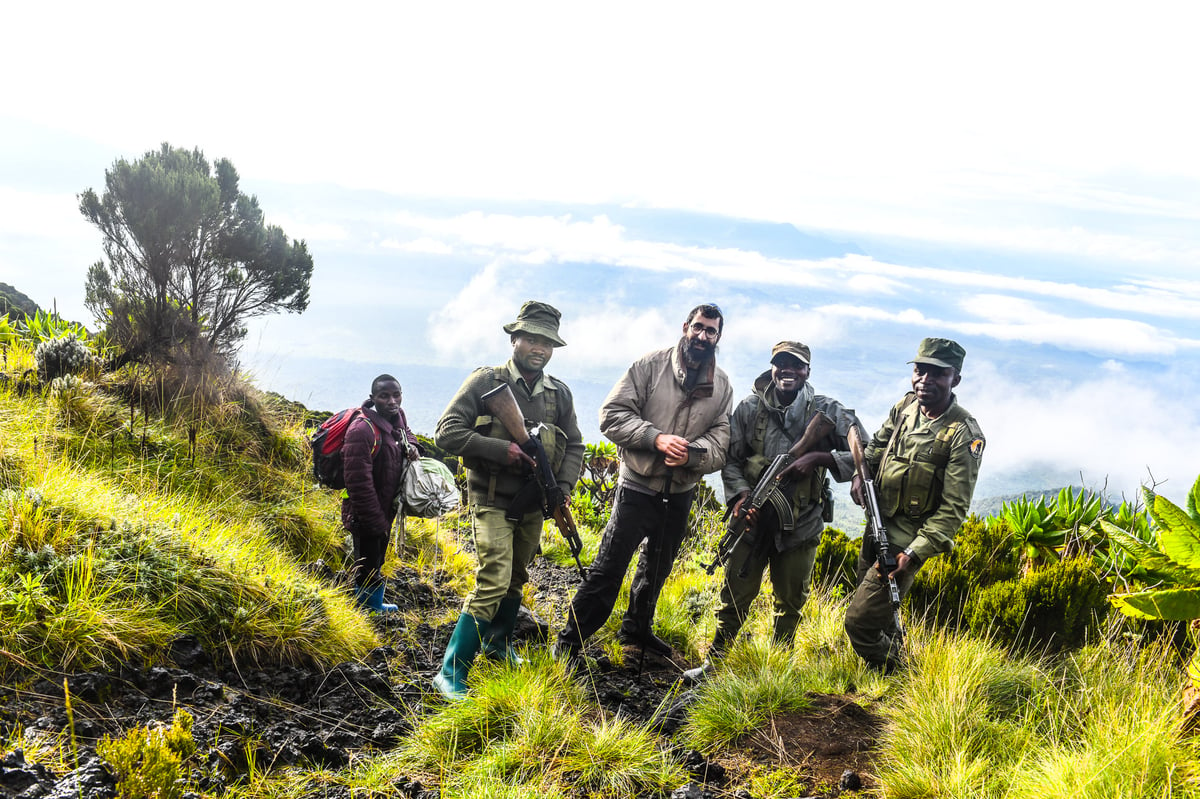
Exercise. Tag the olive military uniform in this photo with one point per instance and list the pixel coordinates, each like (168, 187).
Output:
(789, 527)
(507, 514)
(504, 548)
(925, 474)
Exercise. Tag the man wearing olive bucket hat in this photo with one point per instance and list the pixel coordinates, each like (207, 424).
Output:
(497, 468)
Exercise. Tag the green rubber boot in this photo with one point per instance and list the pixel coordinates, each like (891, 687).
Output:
(451, 681)
(497, 643)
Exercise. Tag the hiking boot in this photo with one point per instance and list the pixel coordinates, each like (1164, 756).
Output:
(572, 659)
(647, 641)
(700, 673)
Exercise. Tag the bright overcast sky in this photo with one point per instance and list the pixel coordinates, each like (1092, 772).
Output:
(947, 121)
(1055, 137)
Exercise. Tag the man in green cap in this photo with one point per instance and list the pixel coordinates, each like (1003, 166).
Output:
(497, 468)
(783, 535)
(925, 460)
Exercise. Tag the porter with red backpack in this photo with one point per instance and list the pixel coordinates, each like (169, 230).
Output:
(364, 451)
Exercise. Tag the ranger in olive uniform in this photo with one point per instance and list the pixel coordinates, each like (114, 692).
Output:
(925, 460)
(497, 470)
(785, 533)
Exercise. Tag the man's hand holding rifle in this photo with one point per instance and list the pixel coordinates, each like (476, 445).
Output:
(528, 449)
(864, 493)
(797, 460)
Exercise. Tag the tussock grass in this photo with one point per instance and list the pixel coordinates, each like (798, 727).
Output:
(533, 728)
(759, 680)
(233, 458)
(78, 622)
(105, 563)
(1120, 731)
(755, 682)
(971, 720)
(683, 607)
(965, 708)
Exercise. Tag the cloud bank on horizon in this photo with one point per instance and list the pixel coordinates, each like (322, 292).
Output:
(1081, 378)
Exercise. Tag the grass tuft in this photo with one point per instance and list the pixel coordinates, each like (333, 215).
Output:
(532, 729)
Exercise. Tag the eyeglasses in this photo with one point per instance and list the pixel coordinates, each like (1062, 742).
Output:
(703, 330)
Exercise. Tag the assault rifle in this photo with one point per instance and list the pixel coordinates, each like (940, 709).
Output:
(887, 561)
(501, 404)
(818, 427)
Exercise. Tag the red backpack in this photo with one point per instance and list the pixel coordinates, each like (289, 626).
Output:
(327, 447)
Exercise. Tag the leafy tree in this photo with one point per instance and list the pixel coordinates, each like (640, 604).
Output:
(189, 257)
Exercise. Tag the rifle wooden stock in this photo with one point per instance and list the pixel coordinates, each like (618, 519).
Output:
(856, 451)
(501, 403)
(818, 427)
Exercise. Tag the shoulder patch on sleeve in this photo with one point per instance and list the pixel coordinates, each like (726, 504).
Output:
(976, 447)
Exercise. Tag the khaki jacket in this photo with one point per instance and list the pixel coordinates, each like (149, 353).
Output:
(649, 399)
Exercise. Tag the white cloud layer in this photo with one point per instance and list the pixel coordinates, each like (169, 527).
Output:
(1020, 315)
(1108, 429)
(992, 126)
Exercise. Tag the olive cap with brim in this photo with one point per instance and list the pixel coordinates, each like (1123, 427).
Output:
(539, 319)
(794, 348)
(940, 352)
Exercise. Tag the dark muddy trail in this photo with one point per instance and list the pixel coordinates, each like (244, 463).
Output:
(258, 718)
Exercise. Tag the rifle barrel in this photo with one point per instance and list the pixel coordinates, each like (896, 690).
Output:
(886, 562)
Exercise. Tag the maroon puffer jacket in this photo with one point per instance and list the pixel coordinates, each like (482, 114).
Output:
(372, 482)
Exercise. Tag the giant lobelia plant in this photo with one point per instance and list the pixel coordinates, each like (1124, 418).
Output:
(1166, 575)
(1069, 524)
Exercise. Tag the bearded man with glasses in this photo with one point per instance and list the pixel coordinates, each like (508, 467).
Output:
(669, 417)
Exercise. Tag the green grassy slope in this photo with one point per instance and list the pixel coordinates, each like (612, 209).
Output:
(117, 535)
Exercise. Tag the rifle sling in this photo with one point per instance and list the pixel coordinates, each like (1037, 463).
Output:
(527, 498)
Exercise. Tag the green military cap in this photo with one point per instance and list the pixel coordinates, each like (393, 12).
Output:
(795, 348)
(539, 319)
(940, 352)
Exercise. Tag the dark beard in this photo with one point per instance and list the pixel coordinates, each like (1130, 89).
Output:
(697, 353)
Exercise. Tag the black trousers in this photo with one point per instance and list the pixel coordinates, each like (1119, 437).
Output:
(636, 517)
(369, 553)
